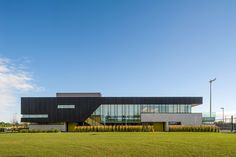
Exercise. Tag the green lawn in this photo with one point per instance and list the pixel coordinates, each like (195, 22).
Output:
(118, 144)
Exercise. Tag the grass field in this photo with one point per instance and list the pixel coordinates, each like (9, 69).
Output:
(135, 144)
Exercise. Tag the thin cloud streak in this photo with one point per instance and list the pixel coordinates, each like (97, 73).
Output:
(13, 80)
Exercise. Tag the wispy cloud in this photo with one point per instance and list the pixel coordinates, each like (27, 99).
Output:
(13, 80)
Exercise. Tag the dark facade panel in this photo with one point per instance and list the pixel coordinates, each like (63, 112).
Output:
(84, 107)
(151, 100)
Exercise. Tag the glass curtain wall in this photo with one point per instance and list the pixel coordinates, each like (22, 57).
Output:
(130, 113)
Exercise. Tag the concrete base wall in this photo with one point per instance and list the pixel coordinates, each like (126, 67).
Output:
(185, 119)
(45, 127)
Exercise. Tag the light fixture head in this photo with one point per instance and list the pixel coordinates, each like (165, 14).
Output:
(212, 80)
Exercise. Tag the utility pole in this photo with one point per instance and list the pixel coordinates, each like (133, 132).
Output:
(232, 123)
(210, 93)
(223, 114)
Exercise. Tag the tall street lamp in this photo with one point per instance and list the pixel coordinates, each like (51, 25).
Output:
(223, 113)
(210, 93)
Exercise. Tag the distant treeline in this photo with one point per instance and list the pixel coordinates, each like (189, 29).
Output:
(3, 124)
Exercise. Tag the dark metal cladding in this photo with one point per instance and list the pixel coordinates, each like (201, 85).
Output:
(85, 106)
(151, 100)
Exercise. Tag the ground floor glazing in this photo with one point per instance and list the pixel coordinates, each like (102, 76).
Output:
(131, 113)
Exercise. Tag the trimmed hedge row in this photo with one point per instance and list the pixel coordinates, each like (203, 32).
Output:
(186, 128)
(116, 128)
(146, 128)
(38, 131)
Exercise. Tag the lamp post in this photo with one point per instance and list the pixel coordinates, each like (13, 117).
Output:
(210, 93)
(223, 113)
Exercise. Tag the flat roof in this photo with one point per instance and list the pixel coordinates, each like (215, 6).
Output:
(71, 94)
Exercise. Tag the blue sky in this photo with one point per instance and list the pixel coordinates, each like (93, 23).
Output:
(120, 48)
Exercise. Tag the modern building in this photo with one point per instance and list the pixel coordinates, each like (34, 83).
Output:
(67, 110)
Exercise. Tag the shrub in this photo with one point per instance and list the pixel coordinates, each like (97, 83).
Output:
(24, 131)
(187, 128)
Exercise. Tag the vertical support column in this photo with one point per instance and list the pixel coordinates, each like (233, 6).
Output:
(66, 123)
(232, 123)
(166, 126)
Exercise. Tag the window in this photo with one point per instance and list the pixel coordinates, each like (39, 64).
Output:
(35, 116)
(181, 107)
(163, 108)
(171, 108)
(156, 109)
(65, 106)
(175, 108)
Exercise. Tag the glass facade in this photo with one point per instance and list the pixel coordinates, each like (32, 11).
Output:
(207, 118)
(130, 113)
